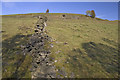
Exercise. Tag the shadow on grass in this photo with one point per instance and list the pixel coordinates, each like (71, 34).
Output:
(103, 54)
(14, 63)
(110, 42)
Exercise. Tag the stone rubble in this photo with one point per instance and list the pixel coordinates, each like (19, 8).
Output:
(39, 47)
(42, 67)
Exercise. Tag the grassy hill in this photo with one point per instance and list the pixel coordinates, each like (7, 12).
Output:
(82, 46)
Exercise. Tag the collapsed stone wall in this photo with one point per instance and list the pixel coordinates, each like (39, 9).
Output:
(42, 67)
(39, 47)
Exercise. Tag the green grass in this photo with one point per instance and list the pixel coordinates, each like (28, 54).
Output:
(90, 49)
(16, 30)
(85, 59)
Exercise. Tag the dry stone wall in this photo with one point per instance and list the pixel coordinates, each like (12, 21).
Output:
(39, 47)
(42, 67)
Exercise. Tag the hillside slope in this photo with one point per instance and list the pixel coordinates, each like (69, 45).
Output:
(82, 47)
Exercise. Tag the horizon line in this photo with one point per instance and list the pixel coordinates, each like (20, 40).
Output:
(54, 13)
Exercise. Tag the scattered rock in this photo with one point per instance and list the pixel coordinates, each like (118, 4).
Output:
(2, 31)
(55, 60)
(63, 16)
(57, 52)
(66, 43)
(51, 45)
